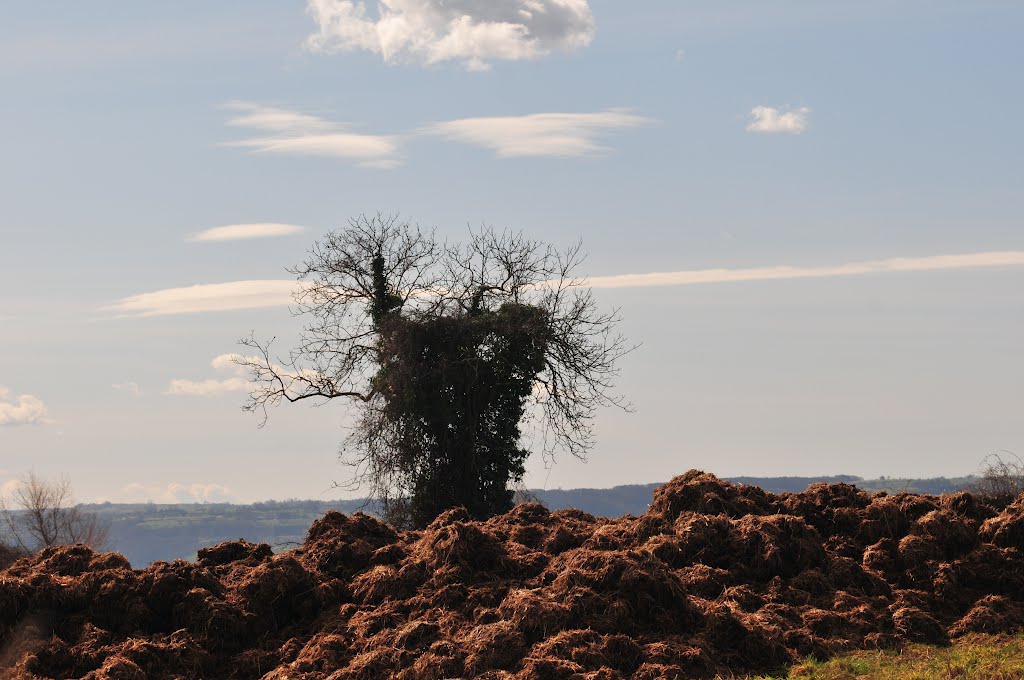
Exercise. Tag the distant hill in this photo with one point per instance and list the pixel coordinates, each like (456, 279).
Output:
(146, 532)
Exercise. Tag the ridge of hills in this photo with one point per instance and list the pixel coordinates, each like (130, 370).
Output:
(147, 532)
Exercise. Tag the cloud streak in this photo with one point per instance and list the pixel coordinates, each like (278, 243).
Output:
(210, 297)
(470, 32)
(129, 386)
(285, 132)
(213, 387)
(539, 134)
(1012, 258)
(236, 232)
(766, 119)
(206, 388)
(23, 409)
(277, 292)
(553, 135)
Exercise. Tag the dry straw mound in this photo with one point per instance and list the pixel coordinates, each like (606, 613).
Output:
(715, 578)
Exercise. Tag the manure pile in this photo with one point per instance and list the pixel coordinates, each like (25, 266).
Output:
(713, 578)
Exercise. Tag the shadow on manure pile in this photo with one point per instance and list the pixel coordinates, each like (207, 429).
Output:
(714, 578)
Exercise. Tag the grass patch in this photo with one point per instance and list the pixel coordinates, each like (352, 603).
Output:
(981, 657)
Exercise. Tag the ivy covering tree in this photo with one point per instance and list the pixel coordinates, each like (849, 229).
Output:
(446, 351)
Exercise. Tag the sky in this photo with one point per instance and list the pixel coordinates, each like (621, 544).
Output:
(809, 214)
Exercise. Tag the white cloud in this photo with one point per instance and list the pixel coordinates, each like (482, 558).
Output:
(213, 387)
(899, 264)
(23, 409)
(274, 292)
(274, 119)
(175, 492)
(128, 386)
(299, 134)
(770, 120)
(539, 134)
(207, 388)
(211, 297)
(9, 488)
(229, 362)
(235, 232)
(468, 31)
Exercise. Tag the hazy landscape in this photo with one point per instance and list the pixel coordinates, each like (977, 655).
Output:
(145, 532)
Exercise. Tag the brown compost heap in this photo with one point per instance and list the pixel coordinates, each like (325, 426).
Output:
(714, 578)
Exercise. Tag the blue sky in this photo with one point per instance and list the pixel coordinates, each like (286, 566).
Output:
(708, 142)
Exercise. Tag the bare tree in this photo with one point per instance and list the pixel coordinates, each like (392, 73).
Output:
(386, 303)
(43, 513)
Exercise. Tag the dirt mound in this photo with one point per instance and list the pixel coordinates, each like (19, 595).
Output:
(234, 551)
(714, 578)
(702, 492)
(1007, 529)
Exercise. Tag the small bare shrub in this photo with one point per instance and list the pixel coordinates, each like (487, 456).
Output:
(42, 513)
(1001, 480)
(521, 494)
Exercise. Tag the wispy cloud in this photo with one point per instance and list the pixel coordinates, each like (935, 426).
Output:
(207, 388)
(175, 492)
(9, 488)
(210, 297)
(771, 120)
(539, 134)
(277, 292)
(471, 32)
(272, 119)
(299, 134)
(213, 387)
(236, 232)
(1011, 258)
(23, 409)
(130, 387)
